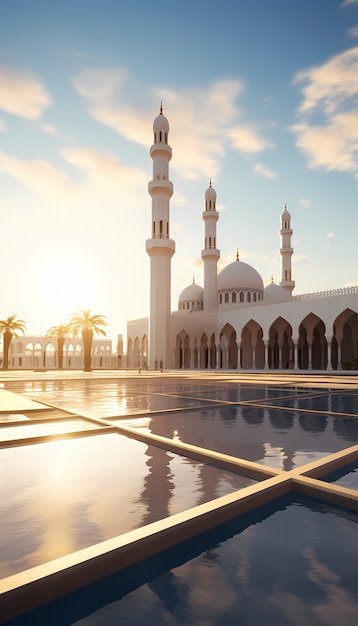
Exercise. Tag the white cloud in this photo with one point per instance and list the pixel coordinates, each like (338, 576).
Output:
(347, 2)
(327, 127)
(106, 180)
(263, 171)
(305, 203)
(201, 131)
(353, 32)
(22, 94)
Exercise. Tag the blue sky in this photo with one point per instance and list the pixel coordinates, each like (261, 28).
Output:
(261, 96)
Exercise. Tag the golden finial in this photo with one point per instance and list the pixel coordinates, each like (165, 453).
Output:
(193, 280)
(271, 279)
(161, 108)
(210, 182)
(237, 254)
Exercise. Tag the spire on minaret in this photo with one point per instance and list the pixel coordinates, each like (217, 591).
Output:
(237, 254)
(210, 182)
(161, 108)
(193, 280)
(271, 279)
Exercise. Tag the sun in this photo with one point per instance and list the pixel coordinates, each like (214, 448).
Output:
(65, 285)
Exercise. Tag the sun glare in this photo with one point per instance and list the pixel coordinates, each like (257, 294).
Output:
(65, 285)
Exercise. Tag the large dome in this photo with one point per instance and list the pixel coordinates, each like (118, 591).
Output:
(239, 275)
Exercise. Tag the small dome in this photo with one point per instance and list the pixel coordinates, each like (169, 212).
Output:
(210, 193)
(191, 298)
(285, 215)
(192, 293)
(161, 122)
(239, 275)
(275, 292)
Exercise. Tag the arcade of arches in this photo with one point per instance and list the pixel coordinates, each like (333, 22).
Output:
(316, 347)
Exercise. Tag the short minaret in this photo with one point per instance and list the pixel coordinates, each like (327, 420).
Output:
(210, 254)
(286, 252)
(160, 247)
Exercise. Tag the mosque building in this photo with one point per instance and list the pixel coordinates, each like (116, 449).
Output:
(233, 322)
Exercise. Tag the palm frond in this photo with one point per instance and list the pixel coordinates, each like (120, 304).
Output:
(13, 325)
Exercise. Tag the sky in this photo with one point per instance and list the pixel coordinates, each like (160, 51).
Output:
(261, 97)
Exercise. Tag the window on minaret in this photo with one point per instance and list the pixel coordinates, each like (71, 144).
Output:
(226, 298)
(166, 138)
(285, 274)
(161, 228)
(153, 229)
(241, 296)
(220, 299)
(233, 296)
(255, 296)
(167, 229)
(160, 136)
(248, 296)
(209, 242)
(214, 242)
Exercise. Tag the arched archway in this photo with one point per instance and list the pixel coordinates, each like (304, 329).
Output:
(213, 362)
(204, 352)
(228, 345)
(312, 343)
(144, 352)
(280, 346)
(136, 353)
(182, 350)
(252, 346)
(344, 350)
(130, 353)
(49, 355)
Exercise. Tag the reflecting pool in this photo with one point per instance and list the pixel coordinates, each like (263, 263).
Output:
(85, 480)
(278, 566)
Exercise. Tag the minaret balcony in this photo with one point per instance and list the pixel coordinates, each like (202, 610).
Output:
(160, 186)
(160, 246)
(207, 215)
(286, 250)
(210, 253)
(160, 149)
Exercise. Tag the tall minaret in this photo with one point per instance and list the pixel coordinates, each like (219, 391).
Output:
(160, 248)
(210, 254)
(286, 252)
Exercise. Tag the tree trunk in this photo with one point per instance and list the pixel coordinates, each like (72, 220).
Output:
(87, 336)
(7, 341)
(60, 344)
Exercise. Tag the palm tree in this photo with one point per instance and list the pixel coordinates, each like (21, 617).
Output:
(60, 332)
(10, 327)
(88, 325)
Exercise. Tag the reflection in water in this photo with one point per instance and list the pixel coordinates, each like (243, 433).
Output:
(346, 428)
(277, 437)
(61, 496)
(313, 423)
(239, 573)
(282, 420)
(255, 418)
